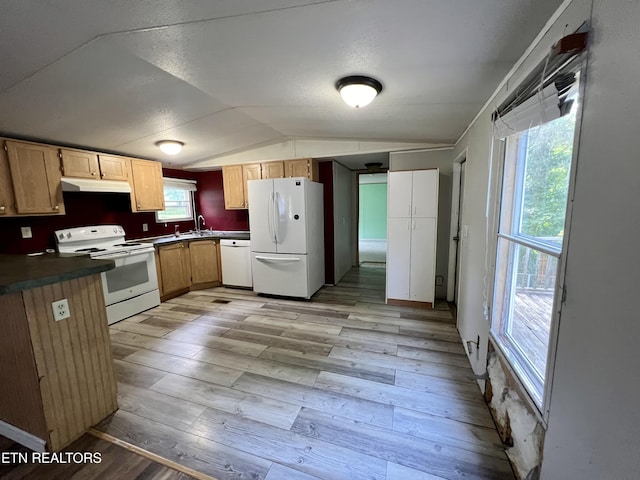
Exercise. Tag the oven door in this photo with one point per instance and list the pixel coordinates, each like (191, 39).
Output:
(135, 274)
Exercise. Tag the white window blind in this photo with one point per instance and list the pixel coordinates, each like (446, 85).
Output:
(178, 199)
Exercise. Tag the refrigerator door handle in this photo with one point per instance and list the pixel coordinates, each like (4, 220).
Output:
(276, 217)
(277, 259)
(270, 218)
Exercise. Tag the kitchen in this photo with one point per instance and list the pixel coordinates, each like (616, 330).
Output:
(326, 387)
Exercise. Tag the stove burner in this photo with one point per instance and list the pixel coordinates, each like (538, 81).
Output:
(127, 244)
(91, 250)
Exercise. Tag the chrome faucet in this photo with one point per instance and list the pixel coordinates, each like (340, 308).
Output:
(200, 217)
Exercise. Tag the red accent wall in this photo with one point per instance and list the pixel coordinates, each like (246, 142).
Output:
(326, 178)
(211, 204)
(115, 208)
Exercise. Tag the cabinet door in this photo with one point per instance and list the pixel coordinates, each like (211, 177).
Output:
(424, 197)
(113, 168)
(298, 168)
(203, 255)
(147, 189)
(273, 170)
(399, 194)
(35, 174)
(398, 257)
(251, 171)
(7, 199)
(76, 163)
(423, 260)
(232, 186)
(174, 267)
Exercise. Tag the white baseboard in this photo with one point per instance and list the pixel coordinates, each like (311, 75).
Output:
(23, 438)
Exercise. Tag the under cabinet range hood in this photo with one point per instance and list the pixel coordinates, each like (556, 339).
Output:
(70, 184)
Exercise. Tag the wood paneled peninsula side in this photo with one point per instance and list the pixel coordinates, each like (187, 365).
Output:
(56, 377)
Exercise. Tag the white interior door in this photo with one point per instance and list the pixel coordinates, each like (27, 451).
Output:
(398, 257)
(425, 193)
(399, 194)
(423, 254)
(290, 218)
(261, 216)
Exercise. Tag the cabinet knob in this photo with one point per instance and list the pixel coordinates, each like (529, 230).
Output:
(102, 175)
(138, 206)
(57, 207)
(3, 209)
(93, 174)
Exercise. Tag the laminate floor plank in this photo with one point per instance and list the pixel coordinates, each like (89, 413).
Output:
(163, 345)
(193, 451)
(302, 346)
(261, 366)
(308, 455)
(448, 461)
(418, 366)
(341, 386)
(255, 407)
(448, 407)
(186, 367)
(347, 406)
(352, 368)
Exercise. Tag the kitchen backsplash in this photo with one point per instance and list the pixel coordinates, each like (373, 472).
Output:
(115, 208)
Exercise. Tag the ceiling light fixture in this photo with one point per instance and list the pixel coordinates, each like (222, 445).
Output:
(170, 147)
(357, 90)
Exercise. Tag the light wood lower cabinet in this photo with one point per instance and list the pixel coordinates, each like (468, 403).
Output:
(187, 265)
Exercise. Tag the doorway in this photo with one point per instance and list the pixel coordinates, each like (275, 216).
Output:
(372, 218)
(457, 230)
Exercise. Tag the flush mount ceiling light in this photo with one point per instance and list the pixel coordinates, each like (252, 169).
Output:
(358, 91)
(170, 147)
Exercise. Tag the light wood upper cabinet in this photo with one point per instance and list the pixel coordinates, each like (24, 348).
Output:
(77, 163)
(302, 167)
(174, 267)
(251, 171)
(83, 164)
(147, 190)
(203, 255)
(232, 185)
(113, 168)
(273, 170)
(7, 199)
(35, 175)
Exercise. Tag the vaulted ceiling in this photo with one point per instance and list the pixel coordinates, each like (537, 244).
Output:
(236, 79)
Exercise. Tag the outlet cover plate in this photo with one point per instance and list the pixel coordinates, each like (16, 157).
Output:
(26, 232)
(60, 309)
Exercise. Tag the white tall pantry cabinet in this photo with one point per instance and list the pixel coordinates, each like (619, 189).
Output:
(412, 210)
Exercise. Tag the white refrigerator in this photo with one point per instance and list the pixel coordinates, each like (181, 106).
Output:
(287, 236)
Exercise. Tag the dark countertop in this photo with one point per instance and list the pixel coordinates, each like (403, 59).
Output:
(22, 272)
(214, 235)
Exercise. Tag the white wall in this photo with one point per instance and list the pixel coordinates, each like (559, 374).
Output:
(342, 218)
(443, 160)
(594, 421)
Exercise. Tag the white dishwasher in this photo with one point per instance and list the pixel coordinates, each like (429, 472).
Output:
(235, 257)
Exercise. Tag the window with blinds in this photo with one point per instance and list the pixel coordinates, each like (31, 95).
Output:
(178, 200)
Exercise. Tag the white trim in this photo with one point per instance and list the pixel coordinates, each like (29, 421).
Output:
(536, 41)
(456, 210)
(23, 438)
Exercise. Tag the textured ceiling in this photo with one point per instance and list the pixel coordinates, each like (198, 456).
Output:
(228, 76)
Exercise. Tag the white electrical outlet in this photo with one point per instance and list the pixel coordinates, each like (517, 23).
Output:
(145, 227)
(60, 309)
(26, 232)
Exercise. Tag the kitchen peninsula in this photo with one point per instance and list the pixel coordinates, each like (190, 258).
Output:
(56, 376)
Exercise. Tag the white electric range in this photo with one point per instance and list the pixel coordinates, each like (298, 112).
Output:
(132, 286)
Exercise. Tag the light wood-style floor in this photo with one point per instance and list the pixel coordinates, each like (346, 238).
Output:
(240, 386)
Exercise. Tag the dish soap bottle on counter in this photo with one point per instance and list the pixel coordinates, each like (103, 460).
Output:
(177, 231)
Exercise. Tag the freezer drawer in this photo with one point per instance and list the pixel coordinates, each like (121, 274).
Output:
(281, 274)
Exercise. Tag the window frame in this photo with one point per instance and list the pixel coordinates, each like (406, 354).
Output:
(500, 151)
(177, 184)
